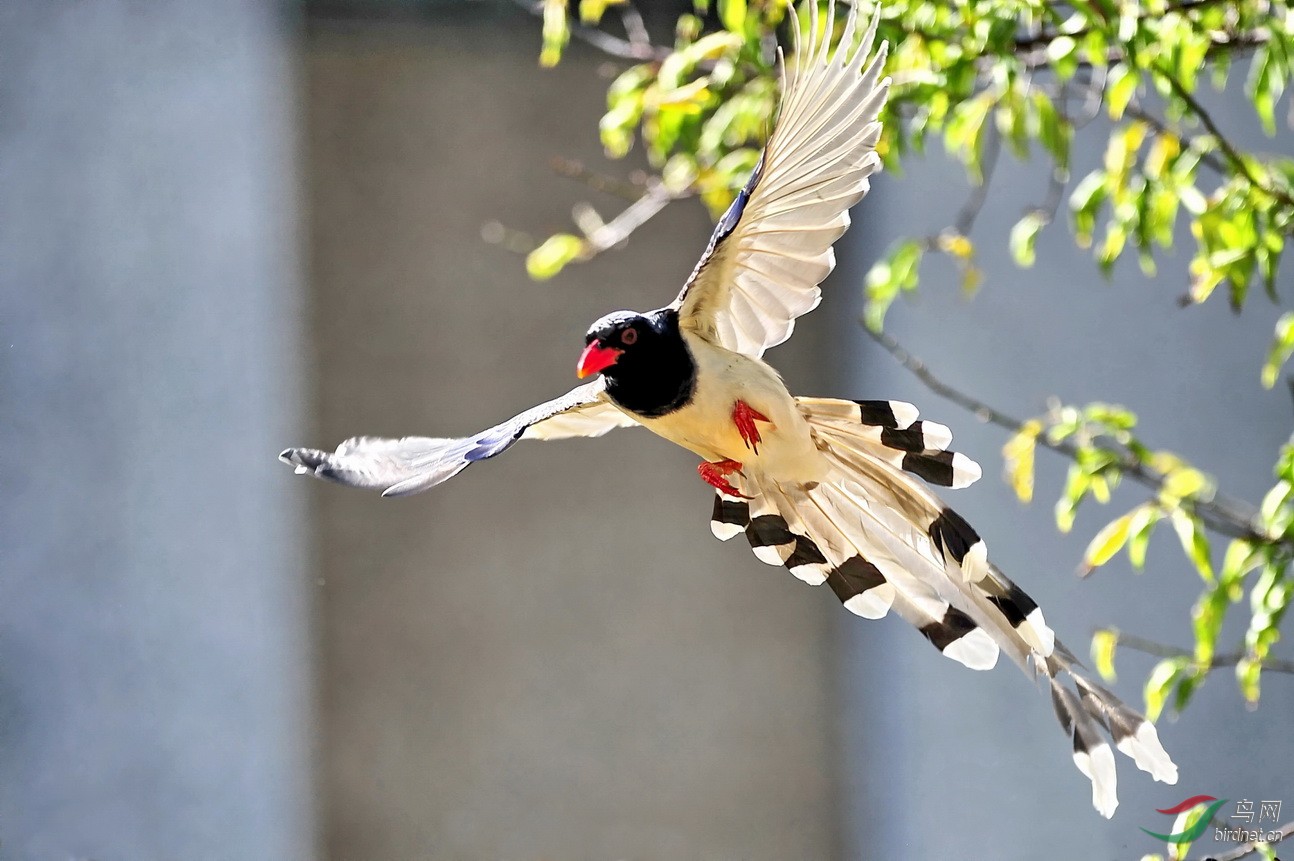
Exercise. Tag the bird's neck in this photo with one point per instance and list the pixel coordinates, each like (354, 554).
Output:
(658, 378)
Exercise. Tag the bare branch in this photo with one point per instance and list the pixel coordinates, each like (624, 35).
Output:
(635, 29)
(617, 230)
(1161, 650)
(970, 210)
(636, 47)
(1223, 514)
(574, 169)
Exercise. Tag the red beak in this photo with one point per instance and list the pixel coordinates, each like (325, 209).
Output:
(595, 359)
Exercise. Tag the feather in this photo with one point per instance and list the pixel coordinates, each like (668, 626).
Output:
(401, 467)
(884, 543)
(779, 230)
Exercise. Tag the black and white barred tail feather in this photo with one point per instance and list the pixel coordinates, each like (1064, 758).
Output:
(884, 543)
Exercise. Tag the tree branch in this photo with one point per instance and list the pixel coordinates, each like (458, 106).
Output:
(1229, 149)
(577, 170)
(636, 47)
(617, 230)
(1223, 514)
(1161, 650)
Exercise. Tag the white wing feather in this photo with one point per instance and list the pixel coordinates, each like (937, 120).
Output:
(772, 248)
(400, 467)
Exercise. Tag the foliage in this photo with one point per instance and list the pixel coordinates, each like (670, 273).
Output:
(976, 76)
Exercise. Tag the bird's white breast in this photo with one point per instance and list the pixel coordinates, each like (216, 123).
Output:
(705, 424)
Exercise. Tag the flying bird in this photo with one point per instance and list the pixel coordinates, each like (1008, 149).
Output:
(833, 490)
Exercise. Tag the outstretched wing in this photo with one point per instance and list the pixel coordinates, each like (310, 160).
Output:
(772, 247)
(412, 464)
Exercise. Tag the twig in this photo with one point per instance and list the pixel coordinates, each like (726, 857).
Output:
(1206, 153)
(573, 169)
(1161, 650)
(1233, 155)
(635, 29)
(633, 48)
(970, 210)
(617, 230)
(1245, 849)
(1223, 514)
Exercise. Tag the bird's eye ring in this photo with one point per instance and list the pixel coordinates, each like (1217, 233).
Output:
(628, 337)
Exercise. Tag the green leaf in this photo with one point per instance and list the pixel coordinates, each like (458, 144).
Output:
(1023, 236)
(1084, 203)
(1249, 677)
(1104, 643)
(888, 278)
(732, 14)
(556, 32)
(1195, 543)
(1077, 482)
(1054, 131)
(591, 11)
(1281, 349)
(1106, 543)
(1018, 453)
(1186, 482)
(551, 257)
(1061, 53)
(1119, 89)
(1208, 614)
(1160, 683)
(1238, 561)
(1144, 518)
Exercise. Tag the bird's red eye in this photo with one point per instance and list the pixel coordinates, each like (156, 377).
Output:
(628, 336)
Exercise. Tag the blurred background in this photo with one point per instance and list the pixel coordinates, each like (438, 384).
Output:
(228, 227)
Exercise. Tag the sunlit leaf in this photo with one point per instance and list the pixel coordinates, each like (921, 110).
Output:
(1018, 454)
(1106, 543)
(556, 32)
(1119, 89)
(1023, 236)
(1144, 518)
(1104, 643)
(553, 255)
(1160, 684)
(732, 13)
(1281, 349)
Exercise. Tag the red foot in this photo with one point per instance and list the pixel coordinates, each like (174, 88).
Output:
(714, 474)
(744, 417)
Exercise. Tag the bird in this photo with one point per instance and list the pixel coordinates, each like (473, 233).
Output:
(835, 490)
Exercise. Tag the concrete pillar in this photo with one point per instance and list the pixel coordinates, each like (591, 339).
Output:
(154, 650)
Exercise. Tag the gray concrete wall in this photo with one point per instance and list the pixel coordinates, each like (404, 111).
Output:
(154, 666)
(549, 656)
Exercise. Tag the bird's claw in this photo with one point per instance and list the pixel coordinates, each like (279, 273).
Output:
(715, 474)
(744, 417)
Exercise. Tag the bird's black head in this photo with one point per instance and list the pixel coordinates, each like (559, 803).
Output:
(647, 366)
(610, 338)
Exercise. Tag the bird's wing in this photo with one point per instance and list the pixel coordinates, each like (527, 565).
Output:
(412, 464)
(772, 247)
(884, 543)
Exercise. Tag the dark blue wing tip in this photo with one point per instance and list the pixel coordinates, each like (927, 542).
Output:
(728, 223)
(491, 444)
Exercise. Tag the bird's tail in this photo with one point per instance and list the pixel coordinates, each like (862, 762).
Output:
(884, 542)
